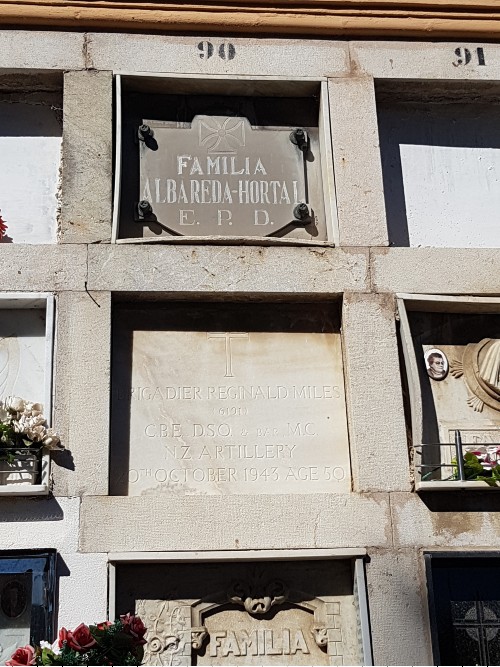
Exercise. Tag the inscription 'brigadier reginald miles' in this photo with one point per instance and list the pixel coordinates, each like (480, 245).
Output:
(221, 177)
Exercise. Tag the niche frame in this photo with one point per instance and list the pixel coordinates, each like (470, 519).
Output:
(231, 85)
(36, 301)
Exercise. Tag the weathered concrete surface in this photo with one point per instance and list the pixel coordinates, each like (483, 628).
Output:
(397, 598)
(39, 50)
(424, 60)
(379, 450)
(87, 157)
(39, 523)
(82, 393)
(356, 156)
(248, 522)
(227, 269)
(183, 55)
(435, 270)
(444, 520)
(42, 268)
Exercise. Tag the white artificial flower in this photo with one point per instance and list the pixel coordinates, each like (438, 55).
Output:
(33, 409)
(44, 644)
(36, 433)
(14, 404)
(51, 440)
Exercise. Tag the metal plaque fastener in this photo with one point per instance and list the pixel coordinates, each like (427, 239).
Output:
(144, 209)
(144, 132)
(300, 139)
(302, 213)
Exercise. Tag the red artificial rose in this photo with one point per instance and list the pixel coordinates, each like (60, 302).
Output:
(23, 656)
(3, 227)
(79, 640)
(133, 626)
(104, 625)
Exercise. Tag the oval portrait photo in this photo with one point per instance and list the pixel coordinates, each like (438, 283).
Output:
(436, 364)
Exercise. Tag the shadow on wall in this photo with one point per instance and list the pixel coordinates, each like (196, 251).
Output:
(409, 130)
(27, 510)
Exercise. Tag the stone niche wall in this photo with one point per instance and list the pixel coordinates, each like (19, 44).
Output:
(244, 613)
(30, 156)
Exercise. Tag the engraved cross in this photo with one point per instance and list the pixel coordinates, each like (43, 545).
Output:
(227, 337)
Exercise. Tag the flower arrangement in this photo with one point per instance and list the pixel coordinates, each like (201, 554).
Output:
(106, 643)
(23, 425)
(481, 464)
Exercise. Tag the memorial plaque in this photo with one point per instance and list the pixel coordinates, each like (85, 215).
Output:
(245, 613)
(229, 409)
(219, 176)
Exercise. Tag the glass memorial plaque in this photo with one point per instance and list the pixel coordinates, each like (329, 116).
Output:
(221, 176)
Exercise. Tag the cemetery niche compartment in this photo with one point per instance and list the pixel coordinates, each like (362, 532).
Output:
(27, 599)
(245, 613)
(452, 356)
(217, 398)
(26, 341)
(441, 139)
(224, 161)
(30, 155)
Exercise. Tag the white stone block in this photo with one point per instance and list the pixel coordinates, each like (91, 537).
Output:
(224, 269)
(83, 585)
(398, 608)
(190, 55)
(42, 268)
(39, 49)
(450, 525)
(426, 60)
(436, 270)
(356, 156)
(379, 448)
(248, 522)
(82, 389)
(42, 523)
(87, 157)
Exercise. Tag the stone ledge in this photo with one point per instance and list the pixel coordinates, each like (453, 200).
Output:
(228, 269)
(43, 268)
(436, 270)
(202, 523)
(466, 520)
(23, 49)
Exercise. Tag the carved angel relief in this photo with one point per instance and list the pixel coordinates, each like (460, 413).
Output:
(480, 369)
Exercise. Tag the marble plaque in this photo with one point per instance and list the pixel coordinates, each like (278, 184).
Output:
(244, 614)
(231, 411)
(22, 353)
(219, 176)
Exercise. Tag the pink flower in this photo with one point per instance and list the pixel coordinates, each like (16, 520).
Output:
(79, 640)
(132, 625)
(23, 656)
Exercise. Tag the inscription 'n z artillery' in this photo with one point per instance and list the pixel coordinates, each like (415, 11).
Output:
(227, 337)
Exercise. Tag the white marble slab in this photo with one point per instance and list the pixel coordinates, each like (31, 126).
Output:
(245, 413)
